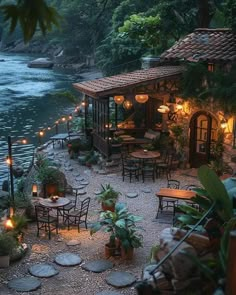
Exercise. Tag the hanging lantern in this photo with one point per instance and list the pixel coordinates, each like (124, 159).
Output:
(119, 99)
(179, 106)
(141, 98)
(127, 104)
(163, 109)
(223, 123)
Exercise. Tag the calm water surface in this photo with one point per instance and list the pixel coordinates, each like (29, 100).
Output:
(26, 101)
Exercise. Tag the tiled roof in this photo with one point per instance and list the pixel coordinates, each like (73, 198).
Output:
(117, 84)
(211, 45)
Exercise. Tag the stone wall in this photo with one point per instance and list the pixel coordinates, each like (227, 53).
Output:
(179, 272)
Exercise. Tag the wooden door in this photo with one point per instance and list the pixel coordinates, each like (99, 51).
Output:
(203, 133)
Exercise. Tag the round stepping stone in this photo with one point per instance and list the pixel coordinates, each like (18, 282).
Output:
(97, 192)
(109, 292)
(98, 265)
(84, 182)
(146, 190)
(131, 195)
(25, 284)
(68, 259)
(80, 178)
(80, 187)
(120, 279)
(81, 192)
(73, 243)
(43, 270)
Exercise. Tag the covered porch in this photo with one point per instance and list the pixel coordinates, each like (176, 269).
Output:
(129, 102)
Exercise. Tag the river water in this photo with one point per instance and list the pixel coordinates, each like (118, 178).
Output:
(28, 103)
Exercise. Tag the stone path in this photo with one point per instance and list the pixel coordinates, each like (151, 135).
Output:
(25, 284)
(116, 279)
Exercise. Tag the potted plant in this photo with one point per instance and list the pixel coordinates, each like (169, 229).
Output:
(107, 197)
(129, 240)
(7, 244)
(49, 177)
(122, 228)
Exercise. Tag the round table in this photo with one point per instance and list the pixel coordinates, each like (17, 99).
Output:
(143, 155)
(54, 205)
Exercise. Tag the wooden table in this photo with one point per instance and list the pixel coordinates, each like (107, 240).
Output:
(175, 194)
(142, 155)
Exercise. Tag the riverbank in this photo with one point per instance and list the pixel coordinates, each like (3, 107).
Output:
(56, 53)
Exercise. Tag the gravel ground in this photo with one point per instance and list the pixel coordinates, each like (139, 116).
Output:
(74, 280)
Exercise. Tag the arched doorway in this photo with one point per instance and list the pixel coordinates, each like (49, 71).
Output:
(203, 134)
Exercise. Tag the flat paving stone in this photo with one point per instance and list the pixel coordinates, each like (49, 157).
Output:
(97, 192)
(84, 182)
(131, 195)
(73, 243)
(146, 190)
(43, 270)
(81, 193)
(25, 284)
(68, 259)
(120, 279)
(80, 178)
(98, 265)
(80, 187)
(108, 292)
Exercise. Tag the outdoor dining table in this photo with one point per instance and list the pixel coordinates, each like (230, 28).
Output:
(178, 194)
(59, 204)
(145, 155)
(61, 137)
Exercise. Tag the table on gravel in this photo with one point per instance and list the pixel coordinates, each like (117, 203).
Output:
(145, 155)
(59, 204)
(60, 137)
(178, 194)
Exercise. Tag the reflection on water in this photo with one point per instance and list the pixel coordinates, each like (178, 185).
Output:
(26, 101)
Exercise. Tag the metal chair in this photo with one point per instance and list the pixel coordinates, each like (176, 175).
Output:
(45, 221)
(130, 168)
(169, 202)
(78, 216)
(71, 194)
(149, 169)
(166, 165)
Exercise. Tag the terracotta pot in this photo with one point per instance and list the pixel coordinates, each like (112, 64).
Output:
(106, 207)
(4, 261)
(127, 254)
(111, 251)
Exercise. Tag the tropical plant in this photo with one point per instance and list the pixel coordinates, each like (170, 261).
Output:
(19, 223)
(121, 225)
(218, 223)
(29, 14)
(108, 195)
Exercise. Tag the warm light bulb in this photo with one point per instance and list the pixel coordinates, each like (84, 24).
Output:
(63, 119)
(9, 224)
(41, 133)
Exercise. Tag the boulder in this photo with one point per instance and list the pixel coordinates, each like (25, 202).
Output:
(41, 63)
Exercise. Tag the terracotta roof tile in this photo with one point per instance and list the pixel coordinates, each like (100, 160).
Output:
(211, 45)
(114, 84)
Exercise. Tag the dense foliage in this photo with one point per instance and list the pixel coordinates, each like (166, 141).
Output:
(116, 33)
